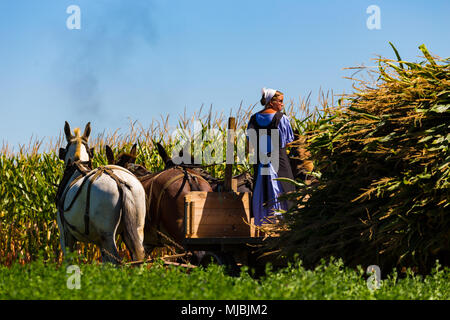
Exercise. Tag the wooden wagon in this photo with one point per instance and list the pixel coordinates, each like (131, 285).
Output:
(219, 224)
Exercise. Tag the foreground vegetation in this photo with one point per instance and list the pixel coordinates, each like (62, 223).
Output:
(38, 280)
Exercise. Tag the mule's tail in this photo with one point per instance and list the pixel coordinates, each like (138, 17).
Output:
(133, 219)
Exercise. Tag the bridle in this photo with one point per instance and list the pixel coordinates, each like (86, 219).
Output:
(90, 152)
(83, 167)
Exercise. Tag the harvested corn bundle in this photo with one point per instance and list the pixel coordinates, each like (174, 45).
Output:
(384, 160)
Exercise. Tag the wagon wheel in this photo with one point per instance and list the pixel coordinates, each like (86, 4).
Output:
(221, 258)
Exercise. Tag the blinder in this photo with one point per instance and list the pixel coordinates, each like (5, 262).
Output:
(90, 152)
(62, 153)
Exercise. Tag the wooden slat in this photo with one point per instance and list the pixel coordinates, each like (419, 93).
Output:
(215, 225)
(219, 199)
(214, 214)
(220, 230)
(219, 216)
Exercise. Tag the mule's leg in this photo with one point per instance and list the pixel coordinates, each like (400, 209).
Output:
(70, 241)
(67, 240)
(134, 246)
(62, 236)
(109, 249)
(150, 238)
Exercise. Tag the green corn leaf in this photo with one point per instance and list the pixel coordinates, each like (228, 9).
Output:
(427, 55)
(397, 55)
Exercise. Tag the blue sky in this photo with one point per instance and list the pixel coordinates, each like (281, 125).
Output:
(138, 60)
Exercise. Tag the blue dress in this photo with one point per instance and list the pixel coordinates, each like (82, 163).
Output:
(266, 190)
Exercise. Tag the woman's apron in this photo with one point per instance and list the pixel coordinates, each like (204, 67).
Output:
(284, 169)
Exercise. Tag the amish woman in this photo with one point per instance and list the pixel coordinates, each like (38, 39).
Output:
(266, 189)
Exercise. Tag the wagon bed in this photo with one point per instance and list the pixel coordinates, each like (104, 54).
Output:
(219, 225)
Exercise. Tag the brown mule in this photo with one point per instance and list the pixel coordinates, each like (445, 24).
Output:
(165, 192)
(244, 180)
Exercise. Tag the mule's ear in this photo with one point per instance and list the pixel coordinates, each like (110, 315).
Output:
(67, 131)
(109, 155)
(62, 154)
(133, 151)
(162, 152)
(87, 131)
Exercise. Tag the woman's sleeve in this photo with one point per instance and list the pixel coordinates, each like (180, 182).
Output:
(286, 133)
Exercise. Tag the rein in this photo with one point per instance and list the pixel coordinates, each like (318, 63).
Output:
(62, 190)
(197, 166)
(68, 173)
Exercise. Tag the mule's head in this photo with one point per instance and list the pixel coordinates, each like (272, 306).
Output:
(127, 161)
(123, 159)
(77, 145)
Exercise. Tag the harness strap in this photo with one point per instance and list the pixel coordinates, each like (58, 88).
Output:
(95, 174)
(119, 182)
(166, 185)
(88, 199)
(184, 175)
(62, 190)
(151, 189)
(78, 191)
